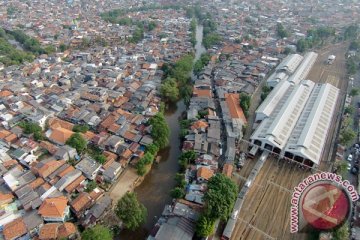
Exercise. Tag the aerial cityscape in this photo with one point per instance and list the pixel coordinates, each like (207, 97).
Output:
(180, 119)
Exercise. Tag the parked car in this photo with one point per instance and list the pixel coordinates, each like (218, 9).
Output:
(348, 166)
(350, 157)
(354, 170)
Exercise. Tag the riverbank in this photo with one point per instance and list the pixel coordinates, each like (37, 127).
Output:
(153, 190)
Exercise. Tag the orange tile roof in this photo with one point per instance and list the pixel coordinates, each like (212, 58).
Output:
(205, 173)
(14, 229)
(65, 230)
(96, 193)
(126, 154)
(71, 187)
(6, 198)
(232, 100)
(56, 123)
(227, 169)
(114, 127)
(109, 155)
(108, 163)
(124, 113)
(5, 93)
(4, 133)
(11, 138)
(49, 231)
(81, 202)
(10, 163)
(49, 168)
(37, 183)
(48, 146)
(202, 92)
(53, 207)
(129, 135)
(60, 135)
(199, 124)
(66, 170)
(88, 135)
(109, 120)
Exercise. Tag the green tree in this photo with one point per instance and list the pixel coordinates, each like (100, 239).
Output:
(160, 130)
(281, 31)
(97, 232)
(288, 50)
(354, 92)
(351, 66)
(342, 233)
(30, 127)
(11, 10)
(90, 186)
(349, 110)
(100, 159)
(245, 102)
(140, 168)
(204, 226)
(152, 25)
(148, 158)
(186, 158)
(63, 47)
(78, 142)
(180, 180)
(131, 211)
(351, 32)
(220, 197)
(152, 148)
(177, 192)
(80, 128)
(347, 136)
(169, 90)
(354, 45)
(38, 136)
(49, 49)
(301, 45)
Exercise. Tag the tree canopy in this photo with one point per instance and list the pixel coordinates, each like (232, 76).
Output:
(245, 102)
(347, 135)
(354, 92)
(160, 130)
(32, 128)
(220, 197)
(9, 55)
(81, 128)
(97, 232)
(78, 142)
(169, 90)
(204, 226)
(186, 158)
(131, 211)
(342, 232)
(281, 31)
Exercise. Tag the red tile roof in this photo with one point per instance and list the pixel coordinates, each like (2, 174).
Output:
(53, 207)
(14, 229)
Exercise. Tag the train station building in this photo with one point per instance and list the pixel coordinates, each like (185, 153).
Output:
(294, 120)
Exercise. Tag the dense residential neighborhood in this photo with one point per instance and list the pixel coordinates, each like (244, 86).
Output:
(170, 119)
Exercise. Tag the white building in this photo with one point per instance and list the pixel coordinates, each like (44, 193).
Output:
(272, 100)
(296, 123)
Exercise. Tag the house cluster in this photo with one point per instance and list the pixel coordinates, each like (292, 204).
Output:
(41, 191)
(177, 221)
(254, 23)
(73, 22)
(46, 185)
